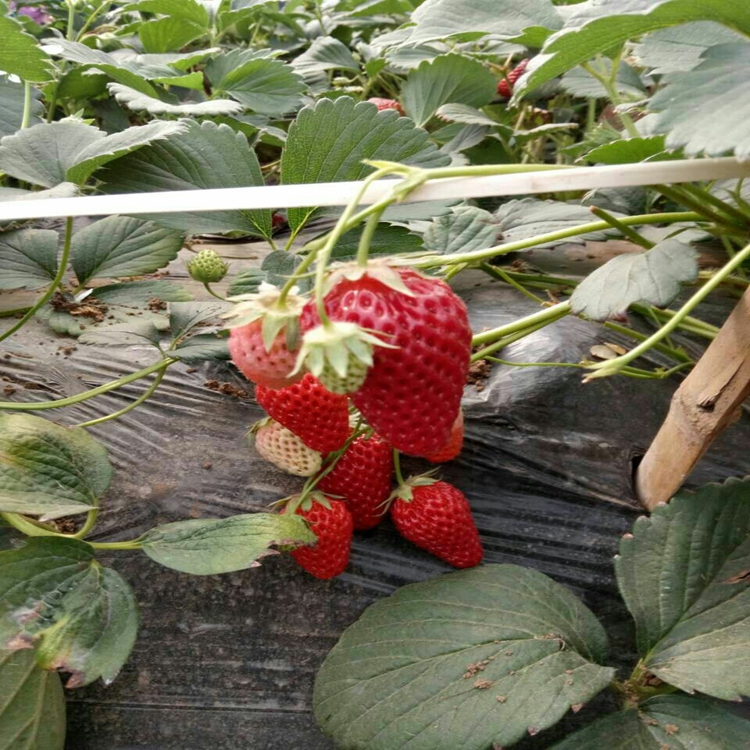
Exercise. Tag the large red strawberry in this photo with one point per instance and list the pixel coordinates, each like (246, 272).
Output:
(362, 477)
(454, 445)
(317, 416)
(263, 336)
(332, 523)
(505, 87)
(382, 104)
(412, 393)
(436, 516)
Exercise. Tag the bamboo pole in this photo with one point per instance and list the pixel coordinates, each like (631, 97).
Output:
(706, 402)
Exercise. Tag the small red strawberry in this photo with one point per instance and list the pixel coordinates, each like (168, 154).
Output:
(412, 392)
(278, 220)
(317, 416)
(284, 449)
(382, 104)
(436, 517)
(454, 445)
(505, 87)
(332, 523)
(362, 477)
(264, 336)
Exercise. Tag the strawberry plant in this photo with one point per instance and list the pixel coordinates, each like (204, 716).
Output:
(379, 158)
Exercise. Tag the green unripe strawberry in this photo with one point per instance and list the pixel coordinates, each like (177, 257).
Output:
(207, 267)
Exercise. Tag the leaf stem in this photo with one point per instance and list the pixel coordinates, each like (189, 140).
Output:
(27, 526)
(132, 544)
(702, 194)
(53, 286)
(561, 234)
(610, 367)
(512, 338)
(98, 391)
(27, 99)
(544, 316)
(143, 397)
(365, 240)
(97, 11)
(397, 467)
(624, 229)
(678, 196)
(213, 293)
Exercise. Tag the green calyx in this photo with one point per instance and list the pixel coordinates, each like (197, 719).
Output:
(207, 267)
(339, 355)
(305, 501)
(379, 270)
(277, 312)
(405, 489)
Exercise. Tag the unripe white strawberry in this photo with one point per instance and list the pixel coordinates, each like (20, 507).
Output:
(284, 449)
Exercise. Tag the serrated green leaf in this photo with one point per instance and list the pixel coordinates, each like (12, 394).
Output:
(329, 141)
(210, 547)
(188, 10)
(205, 347)
(387, 240)
(465, 229)
(684, 576)
(224, 64)
(140, 292)
(122, 246)
(138, 102)
(465, 114)
(269, 87)
(325, 53)
(32, 713)
(528, 22)
(659, 723)
(116, 145)
(246, 282)
(47, 469)
(50, 153)
(447, 79)
(423, 668)
(529, 217)
(706, 111)
(627, 150)
(82, 84)
(205, 155)
(654, 276)
(28, 258)
(597, 28)
(184, 316)
(81, 617)
(279, 266)
(680, 49)
(11, 106)
(122, 334)
(20, 54)
(169, 34)
(43, 154)
(580, 82)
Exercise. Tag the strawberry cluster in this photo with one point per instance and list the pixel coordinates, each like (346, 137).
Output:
(374, 368)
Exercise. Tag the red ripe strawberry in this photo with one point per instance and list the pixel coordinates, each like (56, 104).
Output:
(412, 393)
(362, 477)
(332, 523)
(382, 104)
(267, 368)
(317, 416)
(505, 87)
(264, 335)
(436, 516)
(454, 445)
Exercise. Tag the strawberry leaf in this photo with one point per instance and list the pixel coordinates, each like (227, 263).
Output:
(705, 110)
(685, 576)
(210, 547)
(596, 28)
(47, 469)
(466, 660)
(82, 618)
(328, 143)
(139, 102)
(446, 79)
(28, 258)
(11, 106)
(655, 276)
(122, 246)
(204, 155)
(660, 722)
(20, 54)
(32, 713)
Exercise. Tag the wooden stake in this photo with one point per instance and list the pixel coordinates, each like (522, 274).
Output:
(709, 400)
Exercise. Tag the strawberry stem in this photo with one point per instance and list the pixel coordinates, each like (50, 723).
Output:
(363, 250)
(397, 468)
